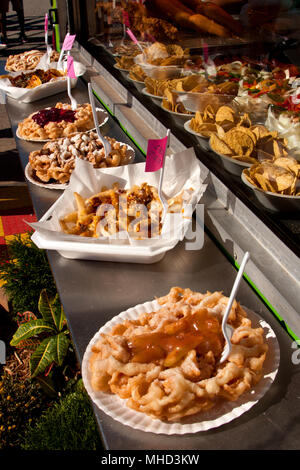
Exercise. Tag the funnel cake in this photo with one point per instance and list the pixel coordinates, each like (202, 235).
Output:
(58, 121)
(166, 363)
(27, 60)
(55, 161)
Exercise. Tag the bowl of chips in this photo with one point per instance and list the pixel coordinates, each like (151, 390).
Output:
(245, 144)
(275, 183)
(171, 104)
(208, 122)
(162, 62)
(160, 72)
(199, 101)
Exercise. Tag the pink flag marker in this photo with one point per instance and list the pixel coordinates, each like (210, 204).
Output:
(125, 19)
(68, 42)
(70, 67)
(134, 39)
(205, 52)
(156, 151)
(46, 23)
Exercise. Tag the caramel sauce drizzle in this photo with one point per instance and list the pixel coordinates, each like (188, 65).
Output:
(199, 330)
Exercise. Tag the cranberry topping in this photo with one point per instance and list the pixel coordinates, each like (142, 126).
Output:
(53, 115)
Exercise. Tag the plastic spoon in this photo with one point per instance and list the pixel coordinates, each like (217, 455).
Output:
(105, 143)
(227, 329)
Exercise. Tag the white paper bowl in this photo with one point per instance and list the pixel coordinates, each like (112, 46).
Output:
(155, 97)
(138, 83)
(28, 95)
(102, 119)
(159, 72)
(182, 116)
(203, 140)
(116, 407)
(198, 101)
(272, 201)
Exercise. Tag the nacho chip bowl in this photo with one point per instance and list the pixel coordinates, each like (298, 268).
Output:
(198, 101)
(273, 201)
(137, 83)
(204, 141)
(182, 116)
(155, 97)
(233, 166)
(159, 72)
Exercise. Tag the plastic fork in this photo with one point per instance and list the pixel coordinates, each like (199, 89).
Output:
(227, 329)
(49, 52)
(164, 201)
(105, 143)
(72, 99)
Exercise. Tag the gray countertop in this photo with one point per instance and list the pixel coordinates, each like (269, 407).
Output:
(92, 292)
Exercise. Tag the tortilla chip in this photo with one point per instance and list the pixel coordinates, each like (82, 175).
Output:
(240, 142)
(207, 129)
(219, 146)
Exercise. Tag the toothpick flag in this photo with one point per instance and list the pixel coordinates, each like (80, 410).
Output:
(134, 39)
(156, 151)
(67, 46)
(125, 19)
(68, 42)
(46, 23)
(70, 67)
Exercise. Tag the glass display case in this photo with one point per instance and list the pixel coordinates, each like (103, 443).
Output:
(224, 79)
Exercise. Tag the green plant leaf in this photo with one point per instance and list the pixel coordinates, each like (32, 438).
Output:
(47, 385)
(59, 314)
(43, 356)
(51, 310)
(29, 329)
(62, 344)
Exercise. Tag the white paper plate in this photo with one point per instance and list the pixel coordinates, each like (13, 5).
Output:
(102, 114)
(145, 92)
(116, 407)
(29, 175)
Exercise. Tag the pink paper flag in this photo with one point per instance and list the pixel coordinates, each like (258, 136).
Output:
(68, 42)
(156, 151)
(70, 67)
(46, 22)
(205, 52)
(126, 19)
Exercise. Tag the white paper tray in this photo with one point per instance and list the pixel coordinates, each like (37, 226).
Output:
(28, 95)
(86, 179)
(98, 252)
